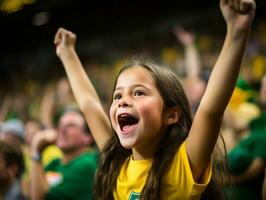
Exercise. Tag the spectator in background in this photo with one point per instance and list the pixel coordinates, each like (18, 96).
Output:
(247, 160)
(12, 130)
(57, 97)
(194, 85)
(72, 176)
(4, 107)
(11, 169)
(32, 127)
(246, 163)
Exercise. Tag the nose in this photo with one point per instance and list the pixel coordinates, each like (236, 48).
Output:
(124, 102)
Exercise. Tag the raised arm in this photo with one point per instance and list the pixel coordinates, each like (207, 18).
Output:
(238, 15)
(194, 85)
(5, 107)
(47, 107)
(84, 92)
(192, 59)
(38, 183)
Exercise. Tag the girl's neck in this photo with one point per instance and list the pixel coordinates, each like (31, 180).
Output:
(147, 150)
(143, 153)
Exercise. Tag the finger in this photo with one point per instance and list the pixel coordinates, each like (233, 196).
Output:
(57, 37)
(246, 6)
(223, 2)
(72, 36)
(231, 4)
(60, 35)
(237, 5)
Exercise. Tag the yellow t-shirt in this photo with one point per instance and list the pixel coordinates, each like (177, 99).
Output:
(177, 183)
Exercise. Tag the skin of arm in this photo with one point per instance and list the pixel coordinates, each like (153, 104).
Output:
(206, 125)
(194, 84)
(47, 107)
(38, 184)
(84, 92)
(5, 107)
(192, 59)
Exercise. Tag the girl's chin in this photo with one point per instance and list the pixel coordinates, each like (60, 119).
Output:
(126, 145)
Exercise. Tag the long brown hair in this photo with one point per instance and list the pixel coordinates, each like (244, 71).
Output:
(114, 155)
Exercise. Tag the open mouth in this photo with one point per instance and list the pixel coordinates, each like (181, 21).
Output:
(127, 122)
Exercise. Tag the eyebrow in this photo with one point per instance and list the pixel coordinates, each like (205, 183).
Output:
(133, 86)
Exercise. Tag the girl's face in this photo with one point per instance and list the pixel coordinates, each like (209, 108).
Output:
(137, 111)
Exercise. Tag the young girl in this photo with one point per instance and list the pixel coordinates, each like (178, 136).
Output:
(156, 152)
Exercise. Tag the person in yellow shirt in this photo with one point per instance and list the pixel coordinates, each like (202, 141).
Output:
(155, 151)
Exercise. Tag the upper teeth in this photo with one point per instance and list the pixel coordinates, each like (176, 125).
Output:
(124, 115)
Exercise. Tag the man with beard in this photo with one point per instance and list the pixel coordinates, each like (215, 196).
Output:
(70, 177)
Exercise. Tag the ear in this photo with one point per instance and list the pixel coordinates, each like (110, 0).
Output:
(172, 116)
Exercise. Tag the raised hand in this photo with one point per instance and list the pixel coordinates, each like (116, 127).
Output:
(64, 40)
(42, 139)
(183, 36)
(238, 13)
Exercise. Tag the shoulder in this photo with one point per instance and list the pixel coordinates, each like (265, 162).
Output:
(180, 161)
(88, 159)
(181, 165)
(89, 156)
(53, 164)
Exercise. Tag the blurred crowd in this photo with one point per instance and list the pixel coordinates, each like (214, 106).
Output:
(33, 117)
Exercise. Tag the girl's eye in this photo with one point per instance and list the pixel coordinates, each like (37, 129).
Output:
(139, 93)
(117, 96)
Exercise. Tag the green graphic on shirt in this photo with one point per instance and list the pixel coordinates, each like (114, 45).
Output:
(134, 196)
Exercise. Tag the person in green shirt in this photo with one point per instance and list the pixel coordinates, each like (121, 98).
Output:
(246, 163)
(70, 177)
